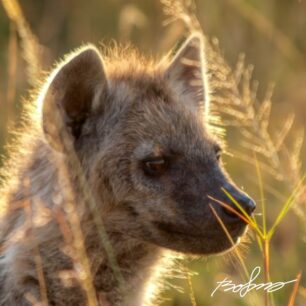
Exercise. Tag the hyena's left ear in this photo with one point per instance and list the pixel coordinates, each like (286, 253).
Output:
(186, 73)
(74, 91)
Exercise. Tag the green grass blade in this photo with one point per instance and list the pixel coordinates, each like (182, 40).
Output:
(300, 186)
(262, 198)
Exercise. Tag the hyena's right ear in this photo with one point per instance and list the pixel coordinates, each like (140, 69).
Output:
(75, 89)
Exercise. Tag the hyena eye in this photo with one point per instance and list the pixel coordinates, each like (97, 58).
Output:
(155, 167)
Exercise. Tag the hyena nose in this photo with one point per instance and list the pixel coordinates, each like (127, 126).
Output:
(247, 203)
(242, 199)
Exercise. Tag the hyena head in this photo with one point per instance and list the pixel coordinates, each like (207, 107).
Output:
(139, 133)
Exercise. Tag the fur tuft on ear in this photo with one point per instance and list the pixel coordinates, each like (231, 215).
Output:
(185, 72)
(72, 94)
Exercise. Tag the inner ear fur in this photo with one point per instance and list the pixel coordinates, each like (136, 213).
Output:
(72, 95)
(186, 70)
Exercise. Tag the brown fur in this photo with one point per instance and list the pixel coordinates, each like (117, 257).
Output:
(83, 161)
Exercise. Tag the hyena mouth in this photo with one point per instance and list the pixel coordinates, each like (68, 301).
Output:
(192, 242)
(235, 230)
(173, 229)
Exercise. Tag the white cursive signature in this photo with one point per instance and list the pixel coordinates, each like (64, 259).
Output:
(243, 289)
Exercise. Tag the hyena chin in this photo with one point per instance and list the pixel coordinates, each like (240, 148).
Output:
(118, 168)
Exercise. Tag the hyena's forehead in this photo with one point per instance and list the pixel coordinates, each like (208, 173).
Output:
(137, 85)
(172, 133)
(161, 123)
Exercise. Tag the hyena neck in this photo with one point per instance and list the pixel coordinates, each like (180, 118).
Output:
(140, 275)
(38, 184)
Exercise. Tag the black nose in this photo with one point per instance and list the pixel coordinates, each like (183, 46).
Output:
(247, 203)
(244, 201)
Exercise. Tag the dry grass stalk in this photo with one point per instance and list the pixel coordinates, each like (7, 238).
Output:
(268, 29)
(77, 250)
(87, 200)
(295, 290)
(33, 53)
(38, 261)
(72, 230)
(12, 71)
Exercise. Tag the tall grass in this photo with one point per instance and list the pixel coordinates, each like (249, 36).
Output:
(234, 107)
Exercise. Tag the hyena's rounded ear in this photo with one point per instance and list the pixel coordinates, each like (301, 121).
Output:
(75, 89)
(186, 73)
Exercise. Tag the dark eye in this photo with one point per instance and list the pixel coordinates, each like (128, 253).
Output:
(155, 167)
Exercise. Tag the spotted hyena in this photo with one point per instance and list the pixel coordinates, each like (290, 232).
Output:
(114, 167)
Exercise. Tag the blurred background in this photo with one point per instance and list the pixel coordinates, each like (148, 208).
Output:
(271, 34)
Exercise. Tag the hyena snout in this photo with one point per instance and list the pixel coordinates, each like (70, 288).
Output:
(237, 199)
